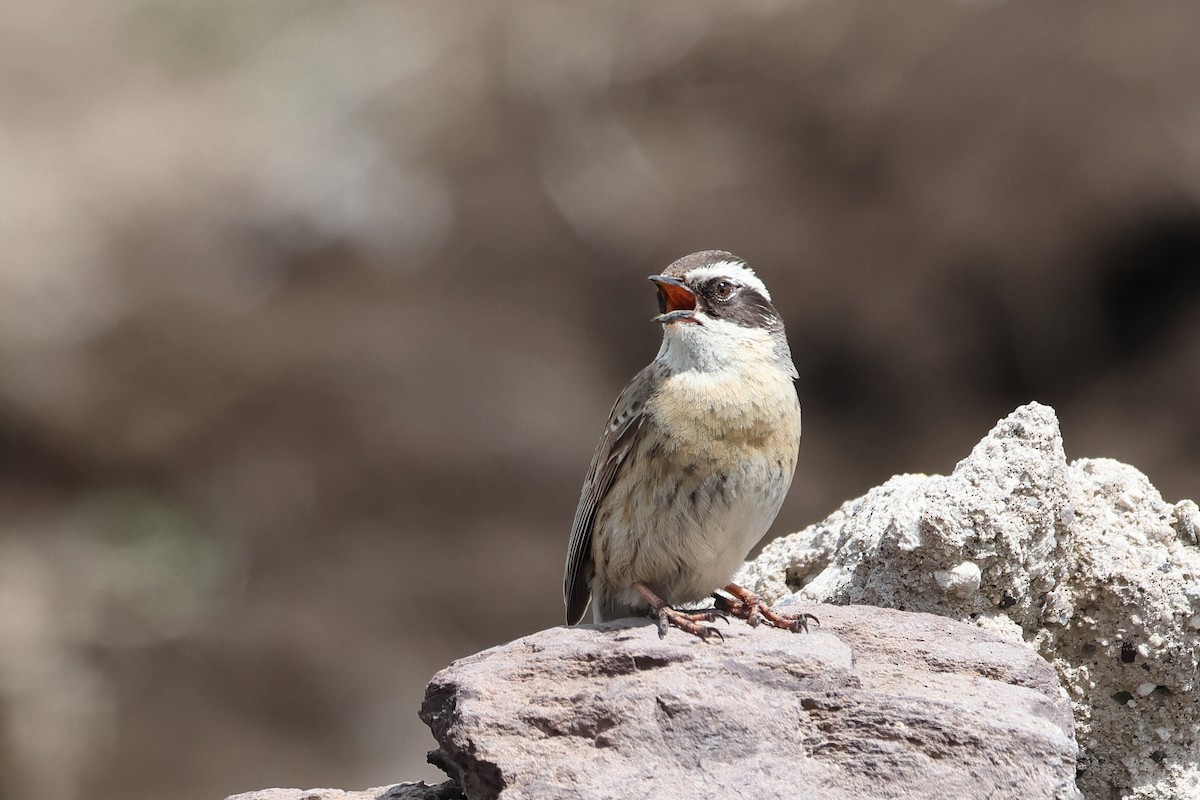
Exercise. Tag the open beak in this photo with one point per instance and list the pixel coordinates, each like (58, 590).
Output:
(676, 302)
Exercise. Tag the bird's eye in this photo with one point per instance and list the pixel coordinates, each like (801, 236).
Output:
(723, 290)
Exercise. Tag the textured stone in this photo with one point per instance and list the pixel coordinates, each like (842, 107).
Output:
(401, 791)
(1084, 562)
(921, 705)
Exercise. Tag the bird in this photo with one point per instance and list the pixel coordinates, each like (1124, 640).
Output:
(694, 462)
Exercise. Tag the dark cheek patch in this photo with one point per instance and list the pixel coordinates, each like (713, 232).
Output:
(750, 310)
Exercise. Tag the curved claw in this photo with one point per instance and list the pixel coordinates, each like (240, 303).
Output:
(799, 622)
(714, 614)
(707, 632)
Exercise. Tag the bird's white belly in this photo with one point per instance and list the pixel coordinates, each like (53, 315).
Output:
(700, 535)
(716, 550)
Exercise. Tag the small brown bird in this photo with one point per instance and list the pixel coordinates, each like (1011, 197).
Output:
(695, 461)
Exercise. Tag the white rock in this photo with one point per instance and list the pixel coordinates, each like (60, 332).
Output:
(963, 580)
(401, 791)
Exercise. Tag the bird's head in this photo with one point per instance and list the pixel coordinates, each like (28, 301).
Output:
(716, 312)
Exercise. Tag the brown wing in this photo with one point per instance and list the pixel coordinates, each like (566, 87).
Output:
(625, 425)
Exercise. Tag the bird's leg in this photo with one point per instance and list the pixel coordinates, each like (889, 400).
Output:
(685, 621)
(746, 605)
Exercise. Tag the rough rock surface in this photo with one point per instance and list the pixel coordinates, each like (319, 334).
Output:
(401, 791)
(918, 704)
(1084, 562)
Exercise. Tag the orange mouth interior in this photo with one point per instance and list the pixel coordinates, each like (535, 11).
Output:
(673, 297)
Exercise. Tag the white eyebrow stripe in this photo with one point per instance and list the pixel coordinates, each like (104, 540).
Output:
(736, 270)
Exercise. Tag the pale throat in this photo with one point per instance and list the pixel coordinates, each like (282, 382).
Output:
(718, 346)
(728, 395)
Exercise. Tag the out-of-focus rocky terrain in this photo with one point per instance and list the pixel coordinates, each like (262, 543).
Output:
(310, 315)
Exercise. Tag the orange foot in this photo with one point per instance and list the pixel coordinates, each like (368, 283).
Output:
(688, 621)
(746, 605)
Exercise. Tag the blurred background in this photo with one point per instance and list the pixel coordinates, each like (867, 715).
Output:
(311, 313)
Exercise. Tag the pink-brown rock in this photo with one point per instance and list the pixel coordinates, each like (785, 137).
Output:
(874, 703)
